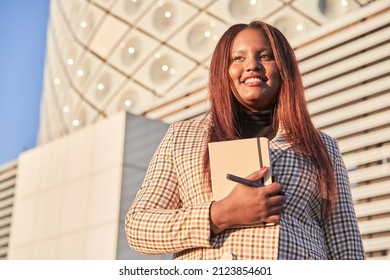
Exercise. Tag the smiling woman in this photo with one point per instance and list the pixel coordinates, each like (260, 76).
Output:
(23, 25)
(255, 90)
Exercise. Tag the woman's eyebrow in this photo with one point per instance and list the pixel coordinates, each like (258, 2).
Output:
(261, 49)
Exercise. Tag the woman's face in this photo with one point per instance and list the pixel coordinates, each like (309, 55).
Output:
(253, 70)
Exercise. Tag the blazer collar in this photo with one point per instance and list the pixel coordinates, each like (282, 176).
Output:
(278, 145)
(206, 121)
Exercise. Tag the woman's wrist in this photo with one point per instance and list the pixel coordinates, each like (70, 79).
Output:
(219, 221)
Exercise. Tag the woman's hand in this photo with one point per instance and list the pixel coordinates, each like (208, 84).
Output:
(246, 205)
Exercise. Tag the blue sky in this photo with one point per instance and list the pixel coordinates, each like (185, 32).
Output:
(23, 26)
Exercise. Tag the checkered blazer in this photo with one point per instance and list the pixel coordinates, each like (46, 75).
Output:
(170, 214)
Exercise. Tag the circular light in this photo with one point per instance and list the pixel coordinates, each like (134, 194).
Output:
(288, 26)
(83, 24)
(83, 71)
(65, 109)
(80, 72)
(72, 55)
(162, 69)
(164, 17)
(103, 86)
(131, 50)
(201, 37)
(86, 25)
(100, 86)
(75, 122)
(80, 118)
(333, 8)
(57, 81)
(128, 100)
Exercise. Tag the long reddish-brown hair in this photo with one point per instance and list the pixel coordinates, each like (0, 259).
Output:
(290, 106)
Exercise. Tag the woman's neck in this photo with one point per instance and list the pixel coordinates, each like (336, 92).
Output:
(255, 124)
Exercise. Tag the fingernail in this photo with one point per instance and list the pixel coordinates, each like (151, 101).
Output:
(263, 168)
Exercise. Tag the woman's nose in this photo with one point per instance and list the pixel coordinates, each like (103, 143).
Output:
(253, 64)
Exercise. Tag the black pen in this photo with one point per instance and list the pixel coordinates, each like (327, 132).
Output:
(250, 183)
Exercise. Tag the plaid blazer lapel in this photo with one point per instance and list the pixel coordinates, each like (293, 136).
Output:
(278, 146)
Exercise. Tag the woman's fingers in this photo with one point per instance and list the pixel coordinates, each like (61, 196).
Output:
(257, 175)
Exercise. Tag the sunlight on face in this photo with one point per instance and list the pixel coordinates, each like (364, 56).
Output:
(253, 70)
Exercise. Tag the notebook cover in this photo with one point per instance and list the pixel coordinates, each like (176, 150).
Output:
(238, 157)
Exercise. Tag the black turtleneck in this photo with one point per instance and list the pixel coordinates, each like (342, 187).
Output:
(255, 124)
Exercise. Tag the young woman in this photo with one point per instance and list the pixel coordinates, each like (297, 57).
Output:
(255, 89)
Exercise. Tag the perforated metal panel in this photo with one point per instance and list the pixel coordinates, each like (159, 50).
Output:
(151, 57)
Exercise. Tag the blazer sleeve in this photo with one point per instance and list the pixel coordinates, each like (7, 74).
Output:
(341, 227)
(157, 222)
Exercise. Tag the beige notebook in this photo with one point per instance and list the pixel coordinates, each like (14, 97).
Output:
(238, 157)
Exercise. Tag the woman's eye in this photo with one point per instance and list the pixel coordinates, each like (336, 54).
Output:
(238, 58)
(265, 57)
